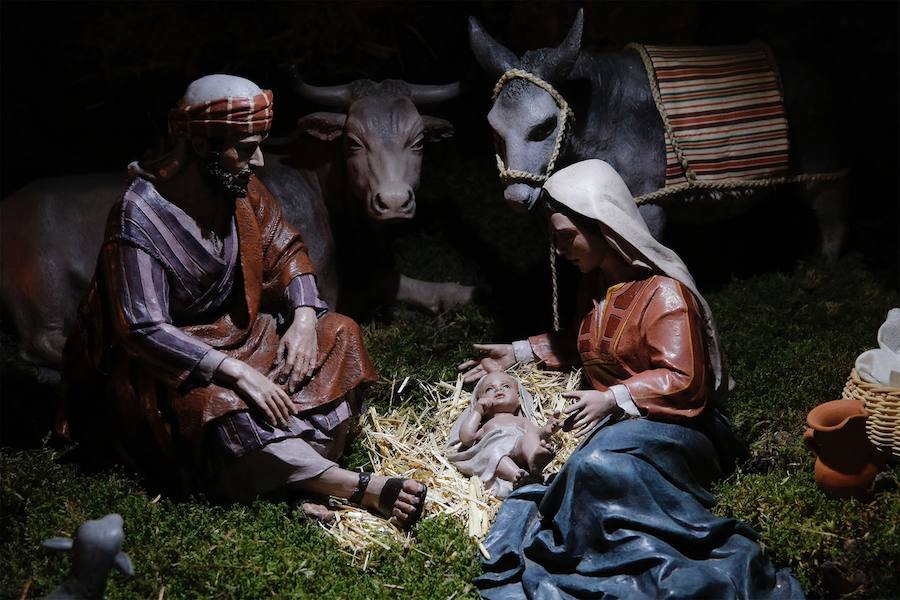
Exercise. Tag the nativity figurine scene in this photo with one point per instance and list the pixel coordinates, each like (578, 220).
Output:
(214, 336)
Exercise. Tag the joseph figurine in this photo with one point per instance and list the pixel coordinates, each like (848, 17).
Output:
(203, 350)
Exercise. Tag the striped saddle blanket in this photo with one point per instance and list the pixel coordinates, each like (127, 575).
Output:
(723, 112)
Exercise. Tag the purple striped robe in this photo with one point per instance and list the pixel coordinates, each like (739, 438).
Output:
(169, 275)
(176, 277)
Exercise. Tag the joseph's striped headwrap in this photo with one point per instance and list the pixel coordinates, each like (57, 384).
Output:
(223, 118)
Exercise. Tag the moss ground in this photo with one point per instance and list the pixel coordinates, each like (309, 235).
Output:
(791, 337)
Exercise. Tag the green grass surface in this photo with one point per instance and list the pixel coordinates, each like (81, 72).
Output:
(198, 550)
(791, 340)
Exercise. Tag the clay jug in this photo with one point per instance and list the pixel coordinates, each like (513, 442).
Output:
(846, 463)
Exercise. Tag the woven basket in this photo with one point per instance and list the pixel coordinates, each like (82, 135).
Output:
(883, 406)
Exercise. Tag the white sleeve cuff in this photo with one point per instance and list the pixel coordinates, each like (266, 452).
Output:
(524, 353)
(206, 368)
(624, 400)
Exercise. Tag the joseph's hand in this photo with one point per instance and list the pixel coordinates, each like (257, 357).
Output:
(256, 389)
(297, 350)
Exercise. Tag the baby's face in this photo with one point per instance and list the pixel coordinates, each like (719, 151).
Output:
(499, 392)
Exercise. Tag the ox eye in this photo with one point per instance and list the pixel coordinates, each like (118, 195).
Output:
(542, 131)
(418, 143)
(354, 144)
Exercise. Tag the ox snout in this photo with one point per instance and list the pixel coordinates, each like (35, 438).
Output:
(393, 204)
(521, 196)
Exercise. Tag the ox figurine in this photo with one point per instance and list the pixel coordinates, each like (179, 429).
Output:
(95, 551)
(622, 126)
(354, 169)
(363, 163)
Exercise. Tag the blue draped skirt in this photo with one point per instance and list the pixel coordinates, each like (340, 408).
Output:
(628, 516)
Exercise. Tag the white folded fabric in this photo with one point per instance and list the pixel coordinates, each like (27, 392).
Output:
(882, 365)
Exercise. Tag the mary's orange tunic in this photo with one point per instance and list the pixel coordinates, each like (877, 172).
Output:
(646, 335)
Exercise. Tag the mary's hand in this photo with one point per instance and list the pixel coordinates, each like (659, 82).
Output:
(495, 357)
(589, 409)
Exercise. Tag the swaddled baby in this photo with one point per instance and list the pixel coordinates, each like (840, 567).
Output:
(496, 437)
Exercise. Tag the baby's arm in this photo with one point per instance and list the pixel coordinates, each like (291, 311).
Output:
(471, 425)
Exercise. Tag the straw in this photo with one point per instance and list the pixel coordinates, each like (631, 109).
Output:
(409, 441)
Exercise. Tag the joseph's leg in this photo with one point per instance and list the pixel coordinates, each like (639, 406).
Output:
(293, 465)
(334, 449)
(342, 483)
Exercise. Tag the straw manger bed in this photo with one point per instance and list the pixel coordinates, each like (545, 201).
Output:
(409, 441)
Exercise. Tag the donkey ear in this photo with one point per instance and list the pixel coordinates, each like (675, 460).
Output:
(437, 129)
(560, 60)
(123, 563)
(60, 544)
(323, 126)
(493, 57)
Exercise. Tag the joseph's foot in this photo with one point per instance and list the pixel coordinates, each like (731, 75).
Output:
(406, 506)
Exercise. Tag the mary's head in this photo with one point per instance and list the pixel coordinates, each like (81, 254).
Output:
(583, 243)
(595, 223)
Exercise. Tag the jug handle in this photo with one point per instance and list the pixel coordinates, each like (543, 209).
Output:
(810, 441)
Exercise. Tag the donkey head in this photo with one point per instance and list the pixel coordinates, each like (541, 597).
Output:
(525, 118)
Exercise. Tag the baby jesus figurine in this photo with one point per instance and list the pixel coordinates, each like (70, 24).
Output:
(497, 439)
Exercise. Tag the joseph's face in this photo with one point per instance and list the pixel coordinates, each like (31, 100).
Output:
(239, 155)
(230, 168)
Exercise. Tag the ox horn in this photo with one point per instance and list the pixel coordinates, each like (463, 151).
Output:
(430, 94)
(338, 96)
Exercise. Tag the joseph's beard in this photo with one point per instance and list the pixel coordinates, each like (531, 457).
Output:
(231, 185)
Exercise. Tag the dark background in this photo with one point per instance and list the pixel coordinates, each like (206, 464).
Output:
(86, 86)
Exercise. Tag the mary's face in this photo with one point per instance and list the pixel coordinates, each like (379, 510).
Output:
(582, 248)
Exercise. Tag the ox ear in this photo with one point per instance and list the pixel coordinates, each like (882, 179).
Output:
(323, 126)
(560, 60)
(437, 129)
(493, 57)
(60, 544)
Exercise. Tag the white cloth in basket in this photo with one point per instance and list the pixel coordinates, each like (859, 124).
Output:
(882, 365)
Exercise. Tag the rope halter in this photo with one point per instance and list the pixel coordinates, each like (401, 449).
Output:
(566, 118)
(507, 176)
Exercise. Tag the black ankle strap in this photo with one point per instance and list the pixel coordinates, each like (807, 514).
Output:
(361, 486)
